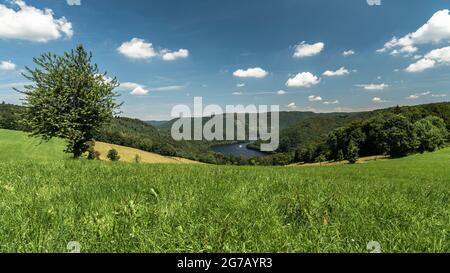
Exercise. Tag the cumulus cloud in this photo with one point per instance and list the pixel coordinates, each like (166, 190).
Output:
(237, 93)
(127, 86)
(305, 79)
(348, 53)
(240, 85)
(430, 60)
(256, 72)
(134, 88)
(373, 87)
(420, 65)
(303, 49)
(340, 72)
(439, 95)
(412, 97)
(139, 90)
(292, 106)
(137, 49)
(74, 2)
(314, 98)
(331, 102)
(418, 95)
(436, 30)
(28, 23)
(281, 92)
(378, 100)
(167, 55)
(7, 65)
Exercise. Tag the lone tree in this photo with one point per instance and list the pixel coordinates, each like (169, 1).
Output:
(68, 98)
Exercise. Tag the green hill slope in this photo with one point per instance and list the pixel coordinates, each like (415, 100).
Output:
(48, 200)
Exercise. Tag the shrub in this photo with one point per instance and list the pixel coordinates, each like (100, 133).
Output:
(113, 155)
(137, 159)
(92, 153)
(352, 152)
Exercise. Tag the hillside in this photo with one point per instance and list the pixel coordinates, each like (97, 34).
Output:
(49, 200)
(129, 154)
(298, 130)
(20, 145)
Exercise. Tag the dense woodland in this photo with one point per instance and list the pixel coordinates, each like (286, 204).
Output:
(305, 137)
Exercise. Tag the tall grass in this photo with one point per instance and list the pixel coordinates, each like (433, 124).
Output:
(48, 200)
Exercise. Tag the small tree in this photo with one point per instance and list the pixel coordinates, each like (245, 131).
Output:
(113, 155)
(352, 152)
(92, 153)
(321, 159)
(68, 98)
(340, 156)
(137, 159)
(431, 133)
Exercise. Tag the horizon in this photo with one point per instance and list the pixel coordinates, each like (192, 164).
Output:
(230, 54)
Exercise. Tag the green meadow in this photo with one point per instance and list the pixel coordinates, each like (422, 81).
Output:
(48, 200)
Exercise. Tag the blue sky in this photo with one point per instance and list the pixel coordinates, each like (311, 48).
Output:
(242, 52)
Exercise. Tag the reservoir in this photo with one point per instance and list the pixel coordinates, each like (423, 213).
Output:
(237, 150)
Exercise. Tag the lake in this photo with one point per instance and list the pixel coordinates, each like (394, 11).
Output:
(237, 150)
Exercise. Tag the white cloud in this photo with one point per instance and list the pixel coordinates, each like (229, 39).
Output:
(305, 79)
(373, 87)
(74, 2)
(430, 60)
(436, 30)
(167, 55)
(139, 91)
(348, 53)
(237, 93)
(412, 97)
(137, 49)
(420, 66)
(128, 86)
(168, 88)
(331, 102)
(340, 72)
(281, 92)
(256, 72)
(378, 100)
(7, 65)
(439, 95)
(291, 106)
(416, 96)
(303, 49)
(32, 24)
(134, 88)
(314, 98)
(239, 85)
(441, 55)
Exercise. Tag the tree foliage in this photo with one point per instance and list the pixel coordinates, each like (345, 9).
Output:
(431, 134)
(68, 98)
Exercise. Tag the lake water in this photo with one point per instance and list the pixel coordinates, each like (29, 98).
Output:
(237, 150)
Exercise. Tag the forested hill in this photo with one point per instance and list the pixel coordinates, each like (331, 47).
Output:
(287, 119)
(298, 129)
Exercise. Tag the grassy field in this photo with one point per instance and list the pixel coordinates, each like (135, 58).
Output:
(128, 155)
(48, 200)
